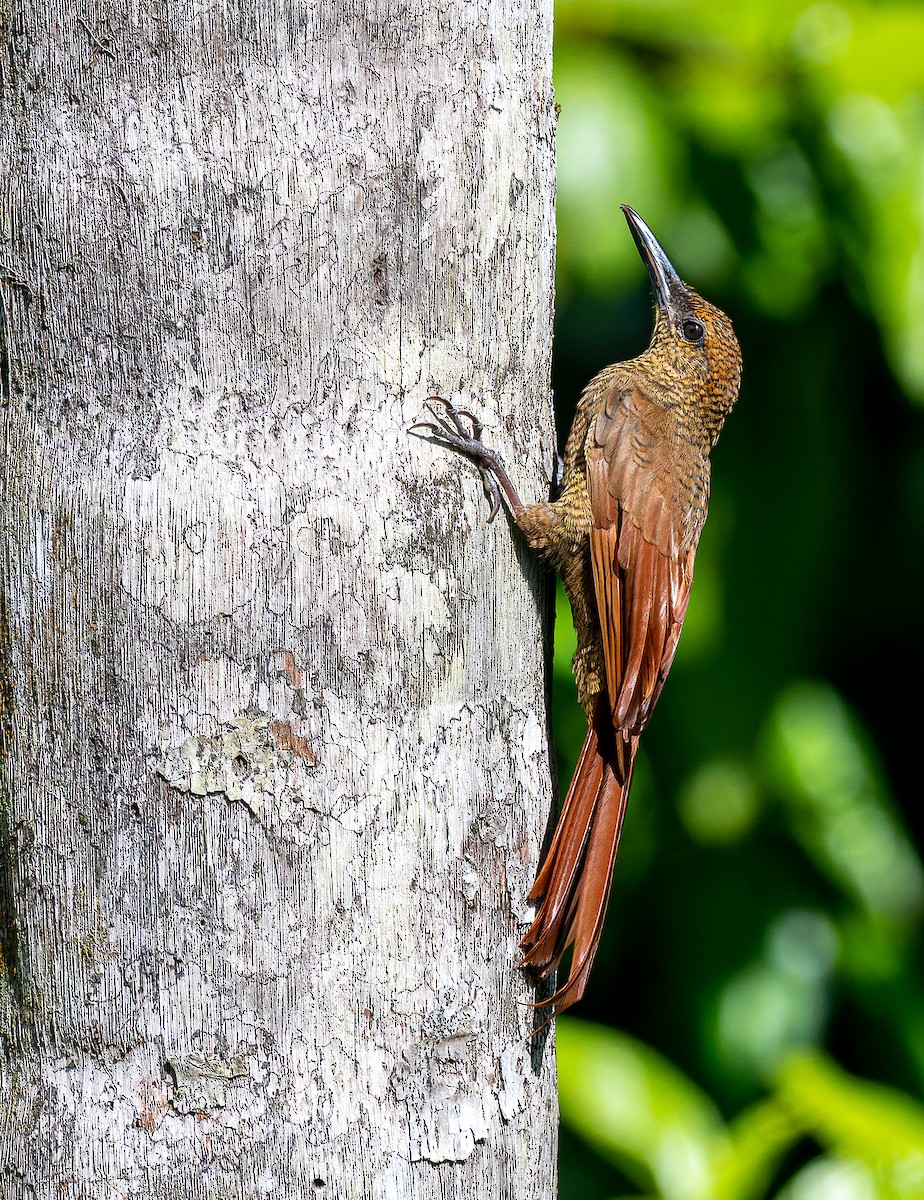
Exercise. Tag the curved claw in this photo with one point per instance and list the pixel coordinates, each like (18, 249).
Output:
(539, 1004)
(450, 430)
(430, 428)
(450, 424)
(477, 427)
(447, 426)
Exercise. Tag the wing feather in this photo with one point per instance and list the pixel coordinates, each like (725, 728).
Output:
(641, 546)
(604, 547)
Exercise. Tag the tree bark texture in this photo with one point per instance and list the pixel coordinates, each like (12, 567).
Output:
(275, 759)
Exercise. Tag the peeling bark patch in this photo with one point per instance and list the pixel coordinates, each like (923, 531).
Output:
(286, 665)
(154, 1104)
(288, 739)
(287, 668)
(255, 763)
(200, 1084)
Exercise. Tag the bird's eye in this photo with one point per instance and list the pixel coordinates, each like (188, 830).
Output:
(692, 331)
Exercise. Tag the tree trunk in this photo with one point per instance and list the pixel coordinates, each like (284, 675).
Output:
(275, 758)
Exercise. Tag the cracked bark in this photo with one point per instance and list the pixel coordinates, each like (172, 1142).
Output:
(274, 747)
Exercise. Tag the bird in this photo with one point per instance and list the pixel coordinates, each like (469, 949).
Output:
(622, 534)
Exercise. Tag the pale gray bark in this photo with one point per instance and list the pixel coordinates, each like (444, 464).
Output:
(276, 766)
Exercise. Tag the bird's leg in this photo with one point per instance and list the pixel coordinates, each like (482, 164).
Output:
(449, 428)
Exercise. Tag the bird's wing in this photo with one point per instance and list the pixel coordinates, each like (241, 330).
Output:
(642, 480)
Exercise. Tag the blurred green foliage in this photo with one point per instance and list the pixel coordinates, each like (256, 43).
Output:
(667, 1136)
(755, 1022)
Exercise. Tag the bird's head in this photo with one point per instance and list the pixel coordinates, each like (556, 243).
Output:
(693, 352)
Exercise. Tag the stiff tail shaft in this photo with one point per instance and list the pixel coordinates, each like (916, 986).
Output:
(572, 889)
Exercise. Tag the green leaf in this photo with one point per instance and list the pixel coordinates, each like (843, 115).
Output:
(852, 1116)
(841, 810)
(858, 1120)
(760, 1137)
(639, 1111)
(832, 1179)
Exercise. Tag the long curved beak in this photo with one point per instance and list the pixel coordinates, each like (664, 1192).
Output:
(670, 290)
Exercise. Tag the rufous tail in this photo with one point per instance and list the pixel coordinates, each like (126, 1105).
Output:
(572, 888)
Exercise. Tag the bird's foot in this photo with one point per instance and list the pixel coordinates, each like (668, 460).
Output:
(449, 427)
